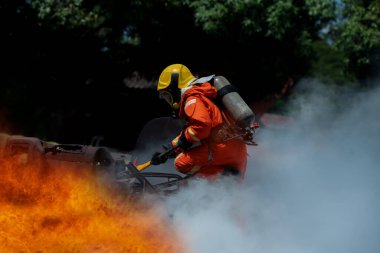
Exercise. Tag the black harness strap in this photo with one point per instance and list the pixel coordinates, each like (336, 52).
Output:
(225, 90)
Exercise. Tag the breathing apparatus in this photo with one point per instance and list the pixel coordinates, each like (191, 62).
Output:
(177, 76)
(234, 103)
(171, 94)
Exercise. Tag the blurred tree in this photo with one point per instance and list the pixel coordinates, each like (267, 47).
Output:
(79, 53)
(330, 65)
(357, 33)
(275, 37)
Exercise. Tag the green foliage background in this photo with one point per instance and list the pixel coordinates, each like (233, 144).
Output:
(65, 62)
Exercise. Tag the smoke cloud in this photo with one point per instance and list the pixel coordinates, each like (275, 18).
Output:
(312, 186)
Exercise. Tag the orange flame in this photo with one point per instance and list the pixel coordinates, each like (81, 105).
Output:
(64, 209)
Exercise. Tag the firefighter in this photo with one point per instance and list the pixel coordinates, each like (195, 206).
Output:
(201, 150)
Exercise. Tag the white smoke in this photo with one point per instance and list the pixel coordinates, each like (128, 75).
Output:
(311, 187)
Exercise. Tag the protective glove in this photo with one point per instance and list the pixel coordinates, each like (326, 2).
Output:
(158, 159)
(183, 142)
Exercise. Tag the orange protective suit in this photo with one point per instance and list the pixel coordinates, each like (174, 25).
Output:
(203, 118)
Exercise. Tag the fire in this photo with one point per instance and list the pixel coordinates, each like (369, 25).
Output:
(63, 209)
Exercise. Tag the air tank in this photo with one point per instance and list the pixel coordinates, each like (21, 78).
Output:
(233, 102)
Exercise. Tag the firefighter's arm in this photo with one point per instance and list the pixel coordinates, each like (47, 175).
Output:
(182, 142)
(199, 124)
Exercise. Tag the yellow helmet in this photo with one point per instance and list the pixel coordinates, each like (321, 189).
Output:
(177, 75)
(172, 79)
